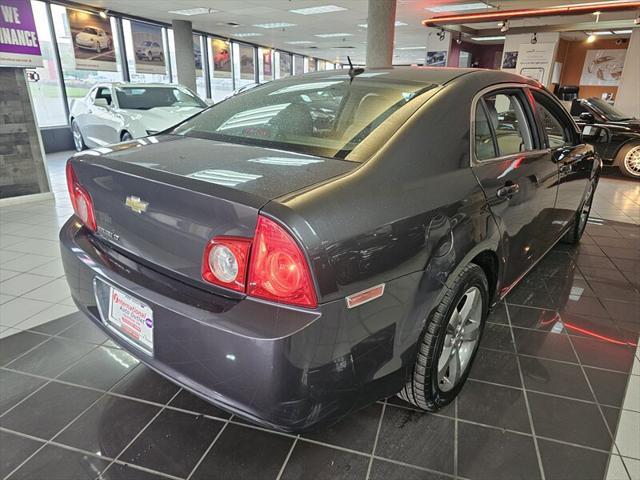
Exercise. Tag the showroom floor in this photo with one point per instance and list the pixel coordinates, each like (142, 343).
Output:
(554, 392)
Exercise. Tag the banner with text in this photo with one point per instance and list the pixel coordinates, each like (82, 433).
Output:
(19, 44)
(536, 61)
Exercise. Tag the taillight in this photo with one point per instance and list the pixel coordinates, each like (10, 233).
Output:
(278, 269)
(80, 199)
(271, 266)
(225, 262)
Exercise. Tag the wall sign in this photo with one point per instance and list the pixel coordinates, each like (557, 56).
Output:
(221, 58)
(92, 41)
(536, 61)
(19, 43)
(603, 67)
(147, 48)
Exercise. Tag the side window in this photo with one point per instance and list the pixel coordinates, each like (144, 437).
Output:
(554, 125)
(485, 146)
(104, 92)
(511, 127)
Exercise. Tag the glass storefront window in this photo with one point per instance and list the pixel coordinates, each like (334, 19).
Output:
(219, 55)
(284, 64)
(141, 69)
(265, 64)
(45, 84)
(298, 65)
(79, 81)
(198, 48)
(244, 65)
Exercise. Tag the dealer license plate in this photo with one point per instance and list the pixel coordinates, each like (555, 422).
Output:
(131, 319)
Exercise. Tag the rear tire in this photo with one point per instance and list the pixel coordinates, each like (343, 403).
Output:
(628, 160)
(574, 235)
(437, 376)
(125, 136)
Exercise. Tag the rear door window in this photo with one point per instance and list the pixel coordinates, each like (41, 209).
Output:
(511, 127)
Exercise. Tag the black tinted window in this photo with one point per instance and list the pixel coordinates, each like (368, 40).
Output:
(485, 146)
(510, 125)
(556, 127)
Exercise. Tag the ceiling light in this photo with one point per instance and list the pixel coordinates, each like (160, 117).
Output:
(274, 25)
(319, 9)
(193, 11)
(247, 34)
(397, 24)
(298, 42)
(103, 14)
(534, 38)
(411, 48)
(591, 38)
(586, 4)
(488, 39)
(505, 26)
(622, 32)
(463, 7)
(602, 32)
(331, 35)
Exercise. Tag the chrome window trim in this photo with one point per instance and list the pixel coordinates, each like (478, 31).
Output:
(473, 160)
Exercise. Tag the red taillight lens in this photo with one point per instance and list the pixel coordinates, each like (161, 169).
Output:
(225, 262)
(80, 199)
(278, 269)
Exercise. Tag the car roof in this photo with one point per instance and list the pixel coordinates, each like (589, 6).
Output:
(428, 75)
(139, 85)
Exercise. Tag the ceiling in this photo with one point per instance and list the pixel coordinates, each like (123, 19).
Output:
(248, 13)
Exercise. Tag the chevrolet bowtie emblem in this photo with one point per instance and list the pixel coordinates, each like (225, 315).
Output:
(135, 204)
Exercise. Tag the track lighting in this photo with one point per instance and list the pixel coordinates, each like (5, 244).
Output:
(591, 38)
(103, 14)
(441, 35)
(504, 26)
(459, 39)
(534, 39)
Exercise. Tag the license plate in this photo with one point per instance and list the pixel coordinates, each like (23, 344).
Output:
(131, 319)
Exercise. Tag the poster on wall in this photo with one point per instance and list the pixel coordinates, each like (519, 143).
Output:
(509, 60)
(92, 41)
(267, 66)
(197, 54)
(221, 58)
(147, 48)
(19, 43)
(247, 66)
(312, 65)
(536, 61)
(437, 59)
(603, 67)
(298, 65)
(285, 64)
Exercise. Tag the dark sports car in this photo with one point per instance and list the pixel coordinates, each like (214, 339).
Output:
(621, 133)
(292, 272)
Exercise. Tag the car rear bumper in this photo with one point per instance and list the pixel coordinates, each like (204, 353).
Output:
(285, 368)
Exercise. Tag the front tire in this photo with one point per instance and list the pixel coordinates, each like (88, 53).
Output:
(450, 342)
(78, 141)
(628, 160)
(574, 235)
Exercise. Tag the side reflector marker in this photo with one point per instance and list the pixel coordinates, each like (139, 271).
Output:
(365, 296)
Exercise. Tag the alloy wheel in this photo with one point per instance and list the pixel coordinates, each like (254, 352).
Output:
(461, 339)
(632, 161)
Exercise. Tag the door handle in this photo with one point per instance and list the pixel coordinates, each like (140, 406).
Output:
(508, 191)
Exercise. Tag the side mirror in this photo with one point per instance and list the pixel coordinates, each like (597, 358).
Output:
(592, 134)
(101, 102)
(587, 117)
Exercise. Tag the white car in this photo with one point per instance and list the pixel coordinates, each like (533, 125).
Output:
(94, 38)
(149, 51)
(117, 112)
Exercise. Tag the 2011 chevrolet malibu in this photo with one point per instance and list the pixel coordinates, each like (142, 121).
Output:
(320, 242)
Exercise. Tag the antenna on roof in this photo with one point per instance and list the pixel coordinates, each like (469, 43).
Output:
(353, 72)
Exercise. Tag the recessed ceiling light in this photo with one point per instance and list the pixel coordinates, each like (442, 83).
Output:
(603, 32)
(298, 42)
(274, 25)
(247, 34)
(193, 11)
(411, 48)
(331, 35)
(488, 39)
(462, 7)
(397, 24)
(318, 9)
(622, 32)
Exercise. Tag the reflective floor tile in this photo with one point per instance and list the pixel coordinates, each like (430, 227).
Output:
(55, 463)
(52, 357)
(14, 387)
(399, 431)
(188, 401)
(144, 383)
(603, 354)
(563, 462)
(497, 337)
(48, 410)
(156, 448)
(118, 471)
(609, 387)
(18, 343)
(108, 426)
(324, 463)
(56, 326)
(556, 378)
(14, 450)
(356, 432)
(85, 331)
(244, 453)
(535, 318)
(101, 368)
(499, 314)
(383, 470)
(496, 367)
(555, 346)
(489, 453)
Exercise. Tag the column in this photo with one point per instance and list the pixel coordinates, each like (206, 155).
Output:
(628, 96)
(380, 32)
(185, 57)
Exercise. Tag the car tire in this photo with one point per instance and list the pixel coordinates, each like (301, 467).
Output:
(98, 48)
(78, 140)
(574, 235)
(125, 136)
(430, 386)
(628, 160)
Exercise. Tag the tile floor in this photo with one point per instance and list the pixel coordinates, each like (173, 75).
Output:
(554, 392)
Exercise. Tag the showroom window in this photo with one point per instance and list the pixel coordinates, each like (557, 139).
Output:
(284, 64)
(265, 64)
(298, 64)
(244, 64)
(44, 83)
(220, 68)
(89, 50)
(201, 81)
(146, 52)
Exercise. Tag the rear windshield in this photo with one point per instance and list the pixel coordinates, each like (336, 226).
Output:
(326, 116)
(146, 98)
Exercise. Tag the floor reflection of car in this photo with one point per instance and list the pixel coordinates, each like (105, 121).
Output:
(93, 38)
(149, 50)
(115, 112)
(292, 267)
(622, 143)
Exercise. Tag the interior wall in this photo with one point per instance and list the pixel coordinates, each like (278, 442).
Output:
(485, 55)
(573, 59)
(628, 98)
